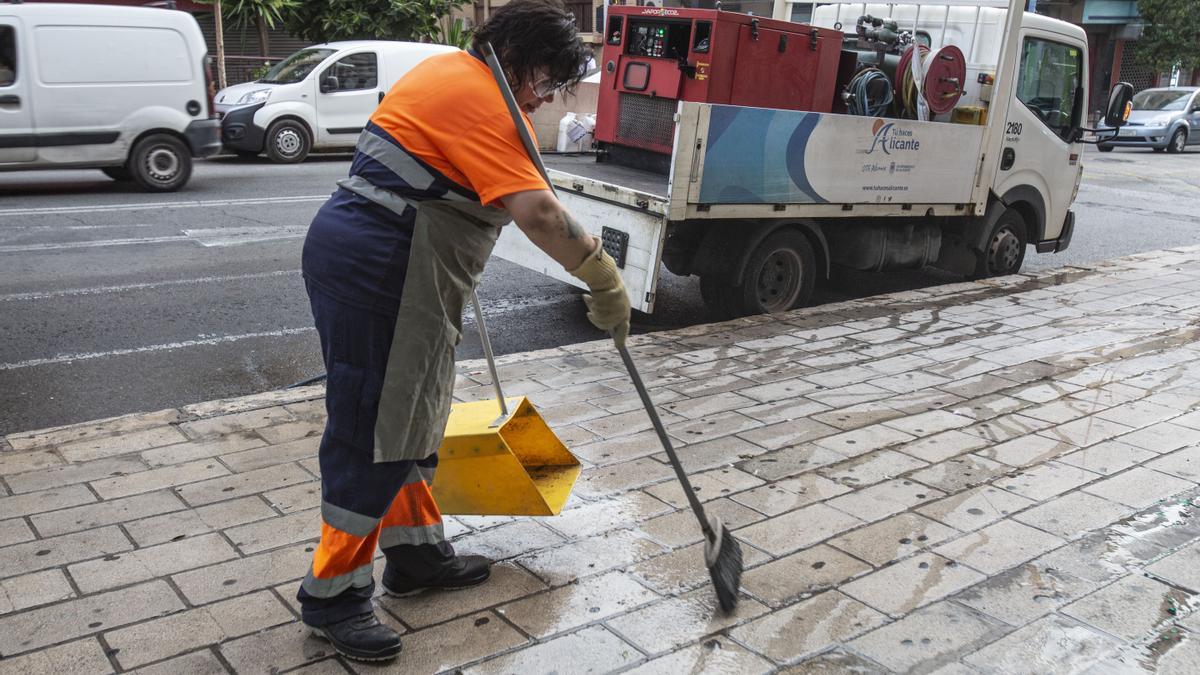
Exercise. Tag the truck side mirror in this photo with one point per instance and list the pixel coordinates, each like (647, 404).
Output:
(330, 83)
(1120, 104)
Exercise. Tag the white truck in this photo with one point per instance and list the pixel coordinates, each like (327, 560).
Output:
(759, 202)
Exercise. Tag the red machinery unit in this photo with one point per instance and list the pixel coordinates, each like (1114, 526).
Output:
(654, 57)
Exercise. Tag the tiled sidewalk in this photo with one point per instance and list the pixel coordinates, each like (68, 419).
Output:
(992, 477)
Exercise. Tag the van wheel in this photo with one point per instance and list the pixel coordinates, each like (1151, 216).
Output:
(1004, 252)
(118, 173)
(288, 142)
(160, 163)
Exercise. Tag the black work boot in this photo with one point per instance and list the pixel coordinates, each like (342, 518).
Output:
(361, 638)
(461, 571)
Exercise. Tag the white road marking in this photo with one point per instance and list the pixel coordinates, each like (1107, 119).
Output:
(146, 206)
(97, 290)
(169, 346)
(99, 243)
(206, 237)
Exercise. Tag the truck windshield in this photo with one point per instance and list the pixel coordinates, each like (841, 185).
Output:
(297, 66)
(1161, 100)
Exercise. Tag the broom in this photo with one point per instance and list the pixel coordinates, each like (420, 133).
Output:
(722, 554)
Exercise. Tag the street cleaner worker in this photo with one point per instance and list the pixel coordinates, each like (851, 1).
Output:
(389, 262)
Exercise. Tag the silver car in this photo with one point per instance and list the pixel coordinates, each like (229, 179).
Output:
(1164, 119)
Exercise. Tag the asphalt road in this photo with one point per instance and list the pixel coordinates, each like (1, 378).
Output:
(113, 301)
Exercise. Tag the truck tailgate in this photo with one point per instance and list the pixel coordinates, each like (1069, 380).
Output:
(623, 213)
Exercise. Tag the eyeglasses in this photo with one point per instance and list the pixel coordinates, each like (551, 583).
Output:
(546, 87)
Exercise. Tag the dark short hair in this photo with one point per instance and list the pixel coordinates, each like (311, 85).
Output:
(532, 35)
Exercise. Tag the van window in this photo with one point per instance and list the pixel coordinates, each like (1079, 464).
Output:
(357, 71)
(297, 66)
(8, 56)
(112, 55)
(1050, 74)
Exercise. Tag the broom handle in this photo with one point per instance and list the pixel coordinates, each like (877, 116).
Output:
(511, 101)
(666, 441)
(487, 351)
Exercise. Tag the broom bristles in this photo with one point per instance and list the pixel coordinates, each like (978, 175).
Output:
(725, 566)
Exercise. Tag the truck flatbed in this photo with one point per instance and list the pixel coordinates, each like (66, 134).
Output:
(585, 164)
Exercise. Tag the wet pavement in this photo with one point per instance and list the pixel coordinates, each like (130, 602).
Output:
(992, 477)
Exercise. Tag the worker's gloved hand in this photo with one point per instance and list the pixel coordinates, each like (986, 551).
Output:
(608, 303)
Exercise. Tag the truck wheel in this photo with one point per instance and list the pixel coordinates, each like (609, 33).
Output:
(1005, 249)
(779, 275)
(118, 173)
(1178, 142)
(160, 163)
(288, 142)
(1104, 148)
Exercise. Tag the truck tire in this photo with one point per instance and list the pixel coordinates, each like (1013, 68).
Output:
(118, 173)
(160, 163)
(779, 275)
(1178, 142)
(1005, 249)
(288, 142)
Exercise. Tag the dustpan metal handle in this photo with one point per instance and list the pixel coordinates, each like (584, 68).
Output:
(487, 351)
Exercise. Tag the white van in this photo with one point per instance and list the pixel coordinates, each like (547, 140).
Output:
(123, 89)
(318, 98)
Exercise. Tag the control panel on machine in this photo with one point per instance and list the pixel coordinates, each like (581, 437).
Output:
(657, 39)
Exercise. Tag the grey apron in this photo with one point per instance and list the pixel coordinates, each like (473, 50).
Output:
(451, 244)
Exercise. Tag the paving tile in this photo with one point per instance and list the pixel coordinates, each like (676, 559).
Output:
(989, 407)
(626, 423)
(294, 431)
(596, 517)
(32, 590)
(717, 655)
(507, 583)
(797, 529)
(704, 406)
(620, 449)
(119, 569)
(276, 532)
(1073, 515)
(242, 484)
(999, 546)
(14, 531)
(81, 656)
(144, 643)
(789, 461)
(893, 538)
(958, 473)
(586, 557)
(714, 427)
(1026, 592)
(1138, 487)
(884, 499)
(1183, 464)
(70, 474)
(271, 455)
(942, 446)
(977, 385)
(773, 499)
(1162, 437)
(684, 568)
(786, 432)
(157, 479)
(849, 395)
(1086, 431)
(674, 622)
(1007, 427)
(1138, 414)
(196, 663)
(194, 450)
(929, 423)
(278, 649)
(680, 528)
(606, 481)
(1064, 410)
(176, 526)
(509, 540)
(1107, 458)
(800, 575)
(707, 485)
(242, 421)
(904, 586)
(42, 627)
(14, 463)
(1053, 644)
(54, 551)
(1027, 450)
(1044, 392)
(715, 453)
(1181, 568)
(1129, 608)
(577, 604)
(241, 576)
(292, 499)
(808, 627)
(857, 416)
(45, 500)
(1046, 480)
(111, 446)
(592, 650)
(91, 516)
(864, 440)
(928, 637)
(871, 468)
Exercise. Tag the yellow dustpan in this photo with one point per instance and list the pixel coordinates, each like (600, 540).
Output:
(511, 465)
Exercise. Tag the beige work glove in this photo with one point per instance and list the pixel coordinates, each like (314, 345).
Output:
(608, 303)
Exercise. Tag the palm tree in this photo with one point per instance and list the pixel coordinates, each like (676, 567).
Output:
(262, 14)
